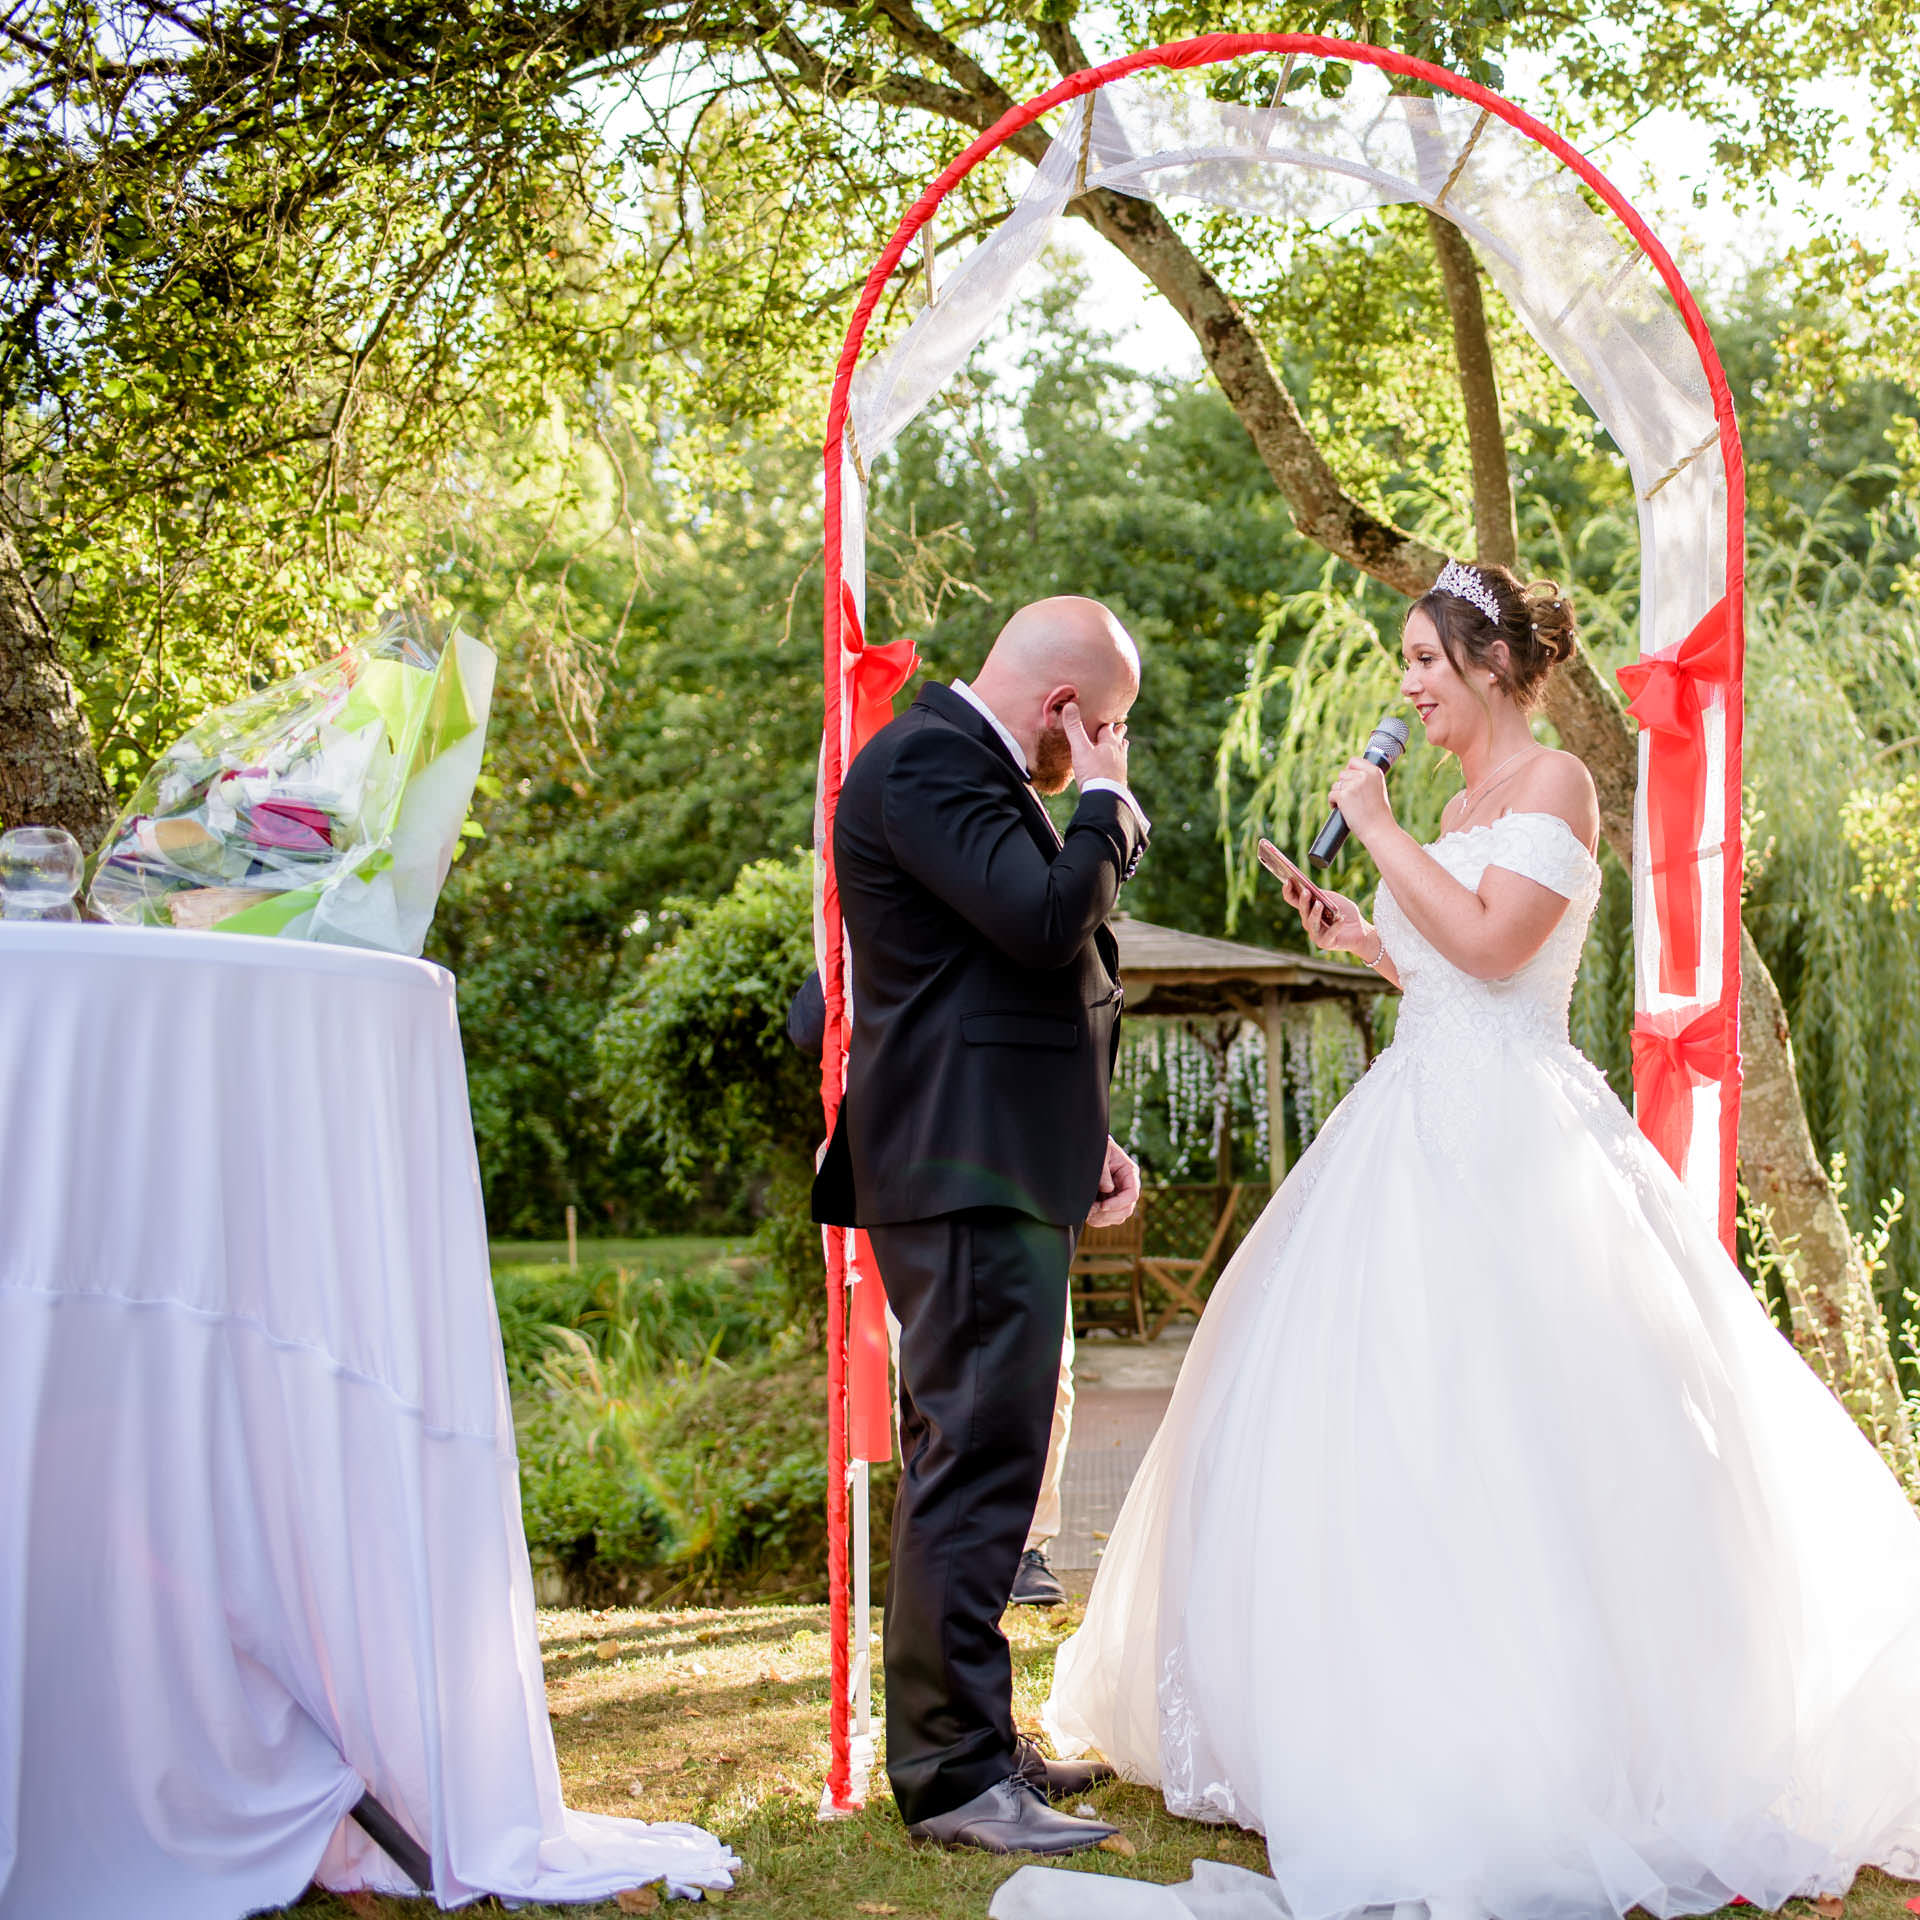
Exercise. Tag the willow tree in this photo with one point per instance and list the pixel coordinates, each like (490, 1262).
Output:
(267, 267)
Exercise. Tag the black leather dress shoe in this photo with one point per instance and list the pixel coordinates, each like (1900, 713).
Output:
(1034, 1585)
(1058, 1779)
(1011, 1818)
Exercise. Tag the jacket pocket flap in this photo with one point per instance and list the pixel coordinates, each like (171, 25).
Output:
(1018, 1030)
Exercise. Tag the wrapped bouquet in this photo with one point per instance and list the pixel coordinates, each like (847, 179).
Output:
(326, 807)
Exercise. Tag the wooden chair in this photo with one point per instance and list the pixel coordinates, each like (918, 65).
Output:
(1104, 1279)
(1180, 1279)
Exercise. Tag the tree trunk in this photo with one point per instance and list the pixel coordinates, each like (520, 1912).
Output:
(1495, 532)
(49, 776)
(1837, 1321)
(1322, 509)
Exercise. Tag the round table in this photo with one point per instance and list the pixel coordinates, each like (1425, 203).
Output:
(260, 1540)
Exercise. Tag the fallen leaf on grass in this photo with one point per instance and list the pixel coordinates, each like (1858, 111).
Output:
(1830, 1906)
(726, 1760)
(873, 1906)
(360, 1902)
(607, 1650)
(638, 1900)
(1120, 1844)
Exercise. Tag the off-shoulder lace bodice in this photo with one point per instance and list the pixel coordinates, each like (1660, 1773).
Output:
(1443, 1005)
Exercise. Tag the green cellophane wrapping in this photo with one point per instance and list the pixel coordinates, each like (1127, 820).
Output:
(325, 807)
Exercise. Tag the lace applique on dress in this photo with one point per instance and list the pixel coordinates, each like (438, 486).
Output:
(1452, 1026)
(1539, 847)
(1216, 1802)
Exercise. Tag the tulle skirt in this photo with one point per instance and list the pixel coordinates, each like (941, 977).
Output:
(1497, 1555)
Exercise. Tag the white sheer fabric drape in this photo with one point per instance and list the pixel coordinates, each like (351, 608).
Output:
(1588, 295)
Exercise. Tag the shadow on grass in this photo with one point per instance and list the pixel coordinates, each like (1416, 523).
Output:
(720, 1718)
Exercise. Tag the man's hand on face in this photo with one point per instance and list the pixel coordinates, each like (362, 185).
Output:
(1100, 755)
(1119, 1188)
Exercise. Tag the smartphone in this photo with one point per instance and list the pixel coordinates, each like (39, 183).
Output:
(1277, 864)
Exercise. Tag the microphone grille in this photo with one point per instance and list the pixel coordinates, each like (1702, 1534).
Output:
(1390, 738)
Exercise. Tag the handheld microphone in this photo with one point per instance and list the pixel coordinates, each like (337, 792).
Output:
(1385, 745)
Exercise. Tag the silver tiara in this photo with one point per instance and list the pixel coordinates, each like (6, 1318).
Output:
(1464, 583)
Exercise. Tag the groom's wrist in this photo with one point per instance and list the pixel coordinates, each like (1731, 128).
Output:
(1125, 794)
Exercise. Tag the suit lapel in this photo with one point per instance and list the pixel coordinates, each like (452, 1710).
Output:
(1037, 812)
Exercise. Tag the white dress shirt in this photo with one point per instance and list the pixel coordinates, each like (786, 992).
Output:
(1013, 746)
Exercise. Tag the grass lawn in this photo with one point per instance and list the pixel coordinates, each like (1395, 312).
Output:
(666, 1256)
(719, 1717)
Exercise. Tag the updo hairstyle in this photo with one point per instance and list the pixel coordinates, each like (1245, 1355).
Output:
(1536, 621)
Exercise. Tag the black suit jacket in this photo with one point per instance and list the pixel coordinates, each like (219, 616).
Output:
(986, 985)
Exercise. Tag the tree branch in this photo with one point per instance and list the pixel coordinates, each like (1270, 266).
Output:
(1496, 537)
(1322, 509)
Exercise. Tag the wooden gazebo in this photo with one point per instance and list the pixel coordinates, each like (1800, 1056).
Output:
(1178, 1237)
(1172, 975)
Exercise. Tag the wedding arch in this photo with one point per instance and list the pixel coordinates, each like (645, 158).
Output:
(1604, 300)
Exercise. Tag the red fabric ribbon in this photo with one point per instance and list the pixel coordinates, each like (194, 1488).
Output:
(1669, 1060)
(876, 674)
(1663, 694)
(869, 1386)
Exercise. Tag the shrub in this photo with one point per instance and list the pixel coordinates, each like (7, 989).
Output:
(697, 1069)
(672, 1434)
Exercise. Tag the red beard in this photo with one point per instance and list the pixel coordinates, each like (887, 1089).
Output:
(1052, 761)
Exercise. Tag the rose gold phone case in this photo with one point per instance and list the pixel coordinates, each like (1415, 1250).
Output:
(1277, 864)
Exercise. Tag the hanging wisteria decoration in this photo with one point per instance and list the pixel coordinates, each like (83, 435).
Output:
(1247, 1075)
(1189, 1072)
(1186, 1067)
(1300, 1074)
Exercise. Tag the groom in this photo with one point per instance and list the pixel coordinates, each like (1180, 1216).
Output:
(971, 1144)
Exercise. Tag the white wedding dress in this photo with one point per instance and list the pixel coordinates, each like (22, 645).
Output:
(1497, 1557)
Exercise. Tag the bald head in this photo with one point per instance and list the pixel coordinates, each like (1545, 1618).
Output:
(1066, 639)
(1067, 650)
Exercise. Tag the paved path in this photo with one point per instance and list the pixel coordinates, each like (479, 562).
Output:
(1121, 1394)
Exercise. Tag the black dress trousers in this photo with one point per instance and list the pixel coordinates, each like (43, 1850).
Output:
(981, 1298)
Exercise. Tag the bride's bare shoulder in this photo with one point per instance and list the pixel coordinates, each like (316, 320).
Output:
(1557, 782)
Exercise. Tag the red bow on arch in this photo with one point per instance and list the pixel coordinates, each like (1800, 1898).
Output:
(869, 1352)
(1669, 1061)
(1663, 694)
(878, 673)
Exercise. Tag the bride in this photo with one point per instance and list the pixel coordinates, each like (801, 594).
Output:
(1497, 1557)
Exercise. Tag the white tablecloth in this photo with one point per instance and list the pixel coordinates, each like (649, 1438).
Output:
(260, 1534)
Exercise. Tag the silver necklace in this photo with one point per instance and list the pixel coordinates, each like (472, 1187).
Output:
(1474, 793)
